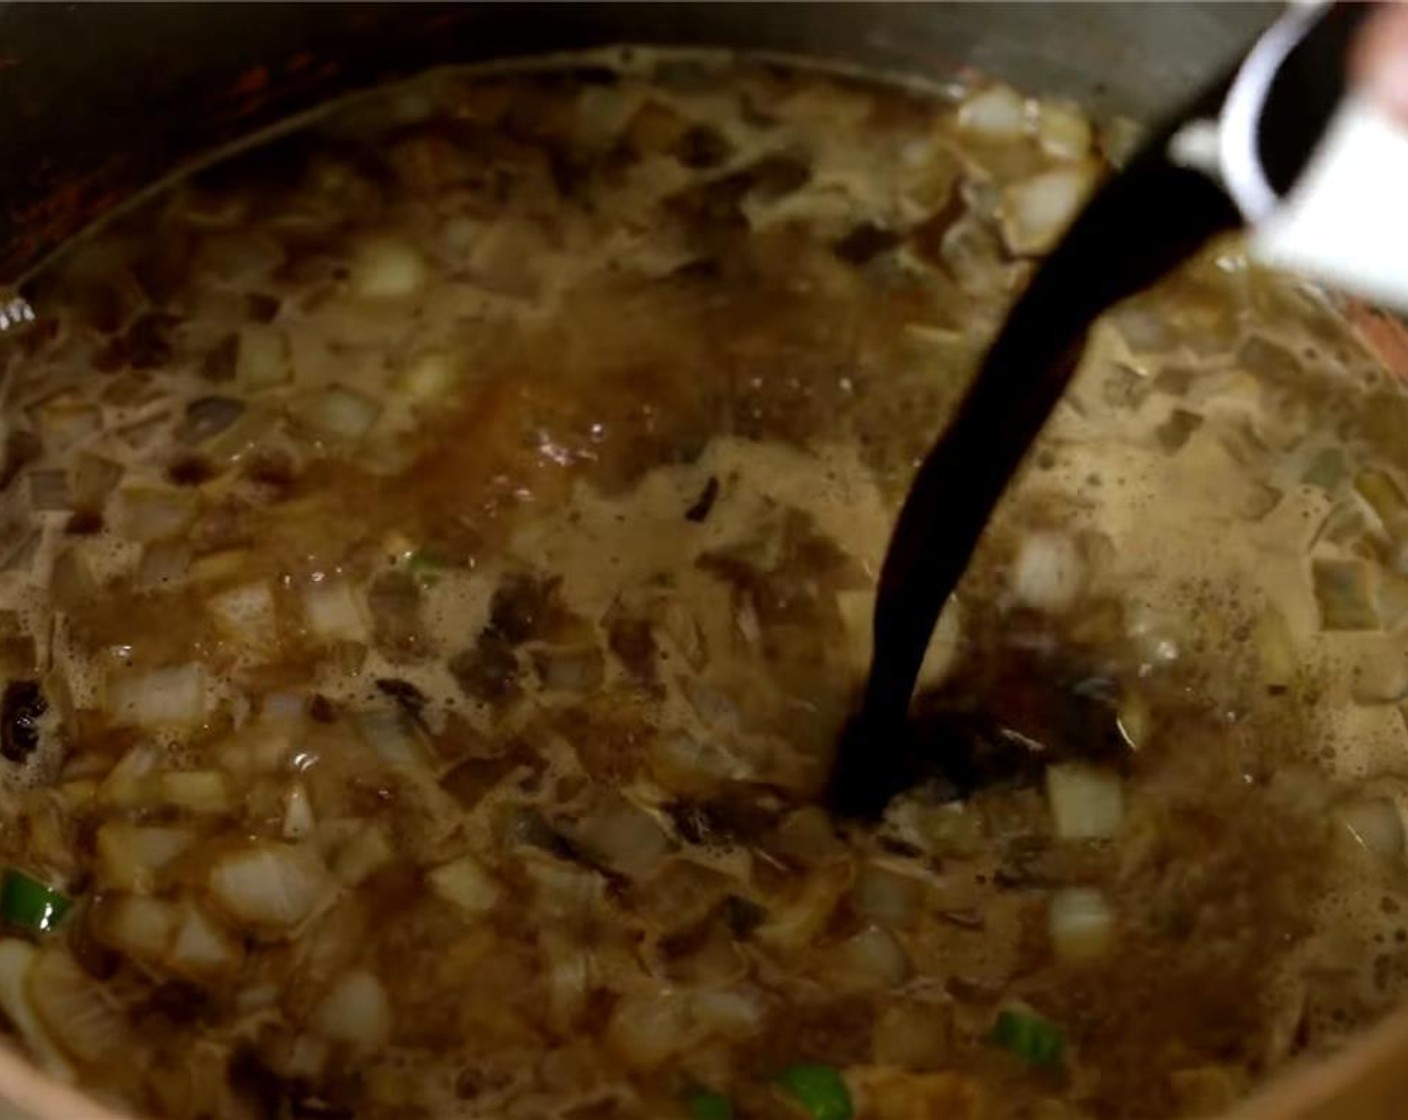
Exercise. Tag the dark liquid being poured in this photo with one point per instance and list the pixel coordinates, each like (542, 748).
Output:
(1142, 223)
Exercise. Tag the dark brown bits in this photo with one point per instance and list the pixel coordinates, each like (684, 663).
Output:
(866, 242)
(488, 672)
(147, 343)
(84, 523)
(703, 147)
(208, 416)
(408, 697)
(523, 607)
(394, 600)
(20, 712)
(261, 308)
(219, 362)
(21, 449)
(189, 470)
(704, 504)
(321, 709)
(633, 642)
(743, 915)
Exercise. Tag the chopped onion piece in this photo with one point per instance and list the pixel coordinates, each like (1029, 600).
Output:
(1376, 823)
(203, 950)
(624, 838)
(362, 856)
(164, 564)
(887, 896)
(197, 791)
(429, 376)
(267, 885)
(393, 737)
(1047, 574)
(465, 884)
(1063, 131)
(146, 515)
(387, 268)
(647, 1028)
(356, 1012)
(334, 612)
(133, 781)
(170, 697)
(16, 959)
(136, 926)
(1037, 210)
(996, 113)
(1277, 660)
(1087, 803)
(75, 1010)
(569, 972)
(732, 1013)
(1345, 595)
(131, 856)
(873, 958)
(342, 413)
(218, 567)
(263, 357)
(247, 614)
(298, 813)
(48, 491)
(1081, 924)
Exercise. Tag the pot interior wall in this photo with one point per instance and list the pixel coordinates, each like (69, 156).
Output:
(102, 100)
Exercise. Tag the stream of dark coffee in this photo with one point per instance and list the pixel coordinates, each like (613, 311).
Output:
(1142, 223)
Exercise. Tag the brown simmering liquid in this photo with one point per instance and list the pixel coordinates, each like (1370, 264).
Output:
(1145, 221)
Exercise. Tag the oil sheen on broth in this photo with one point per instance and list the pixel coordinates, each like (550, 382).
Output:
(439, 557)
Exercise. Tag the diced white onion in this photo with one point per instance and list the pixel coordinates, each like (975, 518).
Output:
(1087, 802)
(16, 958)
(1047, 574)
(1081, 925)
(202, 949)
(131, 856)
(137, 926)
(648, 1028)
(48, 491)
(731, 1013)
(333, 611)
(1037, 210)
(147, 515)
(75, 1010)
(298, 813)
(197, 791)
(342, 413)
(1063, 131)
(387, 268)
(1375, 823)
(356, 1012)
(996, 113)
(465, 884)
(623, 837)
(367, 852)
(568, 978)
(268, 886)
(392, 737)
(873, 958)
(887, 896)
(173, 696)
(134, 780)
(247, 614)
(427, 377)
(263, 357)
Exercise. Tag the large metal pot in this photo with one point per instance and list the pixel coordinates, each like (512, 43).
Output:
(101, 101)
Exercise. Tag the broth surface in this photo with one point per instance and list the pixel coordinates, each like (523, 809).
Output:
(439, 554)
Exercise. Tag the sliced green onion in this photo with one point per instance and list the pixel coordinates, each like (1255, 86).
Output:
(29, 904)
(1032, 1038)
(425, 566)
(705, 1104)
(819, 1089)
